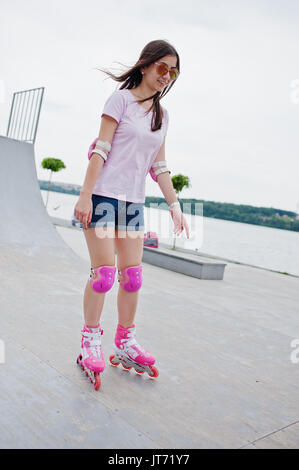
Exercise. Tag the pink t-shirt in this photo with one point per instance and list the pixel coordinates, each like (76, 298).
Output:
(133, 149)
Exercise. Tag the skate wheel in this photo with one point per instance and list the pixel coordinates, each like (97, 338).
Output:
(97, 381)
(113, 363)
(140, 372)
(154, 372)
(126, 368)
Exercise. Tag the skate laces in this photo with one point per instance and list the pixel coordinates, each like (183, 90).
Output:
(131, 341)
(94, 340)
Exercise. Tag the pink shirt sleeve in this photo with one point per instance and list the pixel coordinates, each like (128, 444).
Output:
(115, 106)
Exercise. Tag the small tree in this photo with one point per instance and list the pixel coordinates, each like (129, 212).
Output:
(179, 182)
(53, 164)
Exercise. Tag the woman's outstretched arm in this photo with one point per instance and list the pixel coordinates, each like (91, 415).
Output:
(166, 186)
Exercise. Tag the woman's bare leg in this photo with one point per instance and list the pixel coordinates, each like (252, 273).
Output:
(129, 253)
(100, 244)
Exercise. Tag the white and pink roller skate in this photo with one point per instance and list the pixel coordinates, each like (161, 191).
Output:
(130, 354)
(91, 359)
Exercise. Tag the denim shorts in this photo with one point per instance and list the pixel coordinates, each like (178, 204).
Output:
(110, 212)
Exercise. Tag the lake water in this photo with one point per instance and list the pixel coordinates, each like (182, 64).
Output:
(265, 247)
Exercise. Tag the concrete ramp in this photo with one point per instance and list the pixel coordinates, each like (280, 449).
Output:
(24, 219)
(223, 348)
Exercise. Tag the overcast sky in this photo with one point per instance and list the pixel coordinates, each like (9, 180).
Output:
(234, 116)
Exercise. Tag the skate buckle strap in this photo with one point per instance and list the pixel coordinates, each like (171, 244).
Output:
(130, 340)
(94, 339)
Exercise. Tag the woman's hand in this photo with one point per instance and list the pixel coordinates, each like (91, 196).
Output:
(83, 210)
(179, 221)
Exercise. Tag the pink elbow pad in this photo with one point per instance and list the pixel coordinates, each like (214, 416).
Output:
(91, 148)
(153, 174)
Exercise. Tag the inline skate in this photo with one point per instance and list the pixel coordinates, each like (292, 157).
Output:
(91, 359)
(130, 354)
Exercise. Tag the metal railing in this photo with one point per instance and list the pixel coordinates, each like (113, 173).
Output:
(24, 114)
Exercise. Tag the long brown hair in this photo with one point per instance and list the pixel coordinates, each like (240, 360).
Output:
(151, 53)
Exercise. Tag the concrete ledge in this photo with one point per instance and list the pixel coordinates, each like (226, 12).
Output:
(64, 223)
(188, 265)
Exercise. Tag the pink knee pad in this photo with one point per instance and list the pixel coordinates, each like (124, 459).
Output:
(131, 278)
(104, 280)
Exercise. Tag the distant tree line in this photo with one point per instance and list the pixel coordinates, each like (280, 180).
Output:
(266, 216)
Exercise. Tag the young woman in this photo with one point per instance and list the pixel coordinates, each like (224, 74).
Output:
(131, 143)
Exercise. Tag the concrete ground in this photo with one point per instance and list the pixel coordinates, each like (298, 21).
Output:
(223, 350)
